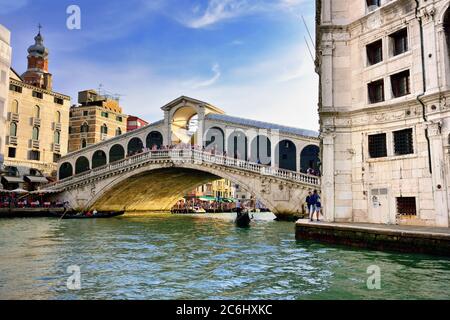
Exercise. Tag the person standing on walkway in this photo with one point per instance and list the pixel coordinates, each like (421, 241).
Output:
(313, 202)
(318, 208)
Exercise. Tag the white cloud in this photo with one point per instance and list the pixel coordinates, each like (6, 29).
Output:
(195, 84)
(221, 10)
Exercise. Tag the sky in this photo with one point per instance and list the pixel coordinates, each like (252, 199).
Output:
(247, 57)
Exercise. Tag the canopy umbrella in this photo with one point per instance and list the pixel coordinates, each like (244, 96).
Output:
(207, 198)
(19, 191)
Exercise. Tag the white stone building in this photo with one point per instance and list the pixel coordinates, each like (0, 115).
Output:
(385, 110)
(5, 64)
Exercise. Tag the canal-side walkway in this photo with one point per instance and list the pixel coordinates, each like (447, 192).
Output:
(428, 240)
(29, 212)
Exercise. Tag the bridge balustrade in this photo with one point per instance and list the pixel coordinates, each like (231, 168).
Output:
(188, 155)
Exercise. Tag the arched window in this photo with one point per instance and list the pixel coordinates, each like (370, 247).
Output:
(237, 145)
(98, 159)
(215, 140)
(118, 132)
(15, 106)
(447, 28)
(35, 133)
(116, 153)
(154, 139)
(309, 159)
(82, 165)
(13, 129)
(58, 117)
(37, 112)
(104, 129)
(57, 137)
(65, 171)
(84, 128)
(261, 150)
(83, 143)
(134, 146)
(286, 153)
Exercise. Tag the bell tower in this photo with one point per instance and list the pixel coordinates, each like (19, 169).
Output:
(37, 72)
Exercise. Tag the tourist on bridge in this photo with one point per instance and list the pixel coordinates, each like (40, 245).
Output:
(308, 203)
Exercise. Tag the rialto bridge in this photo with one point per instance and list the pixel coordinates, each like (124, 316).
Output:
(151, 168)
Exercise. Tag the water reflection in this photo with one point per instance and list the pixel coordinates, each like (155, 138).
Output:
(199, 257)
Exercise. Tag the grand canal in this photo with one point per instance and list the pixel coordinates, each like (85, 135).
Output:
(201, 257)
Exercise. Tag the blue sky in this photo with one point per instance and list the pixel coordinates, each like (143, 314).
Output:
(247, 57)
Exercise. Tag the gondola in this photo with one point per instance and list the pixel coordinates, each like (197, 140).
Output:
(99, 215)
(243, 220)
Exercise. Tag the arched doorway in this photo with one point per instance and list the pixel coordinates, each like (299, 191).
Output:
(116, 153)
(135, 146)
(309, 158)
(287, 155)
(65, 171)
(82, 165)
(98, 159)
(261, 150)
(154, 139)
(184, 125)
(237, 145)
(215, 140)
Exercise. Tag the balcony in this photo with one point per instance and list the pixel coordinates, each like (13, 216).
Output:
(57, 126)
(12, 141)
(103, 136)
(36, 122)
(34, 144)
(83, 135)
(56, 148)
(13, 117)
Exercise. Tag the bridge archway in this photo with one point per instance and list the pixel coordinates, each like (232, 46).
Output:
(237, 145)
(99, 159)
(309, 158)
(116, 153)
(261, 150)
(154, 138)
(160, 187)
(184, 121)
(135, 145)
(287, 155)
(65, 171)
(215, 140)
(82, 165)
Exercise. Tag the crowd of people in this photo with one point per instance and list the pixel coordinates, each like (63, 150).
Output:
(15, 201)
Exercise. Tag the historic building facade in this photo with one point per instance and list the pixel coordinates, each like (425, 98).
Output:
(96, 118)
(134, 123)
(37, 117)
(385, 110)
(5, 64)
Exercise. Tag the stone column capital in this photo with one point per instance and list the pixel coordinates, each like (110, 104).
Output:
(434, 128)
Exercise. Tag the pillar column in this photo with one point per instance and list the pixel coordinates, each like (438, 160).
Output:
(201, 126)
(167, 128)
(438, 175)
(327, 179)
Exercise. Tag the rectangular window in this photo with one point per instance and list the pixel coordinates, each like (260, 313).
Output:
(105, 114)
(400, 84)
(374, 52)
(377, 145)
(38, 95)
(399, 42)
(403, 142)
(59, 101)
(373, 4)
(56, 157)
(11, 153)
(15, 88)
(376, 91)
(118, 118)
(85, 113)
(406, 206)
(35, 155)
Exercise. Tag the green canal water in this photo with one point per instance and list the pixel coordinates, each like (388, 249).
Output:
(199, 257)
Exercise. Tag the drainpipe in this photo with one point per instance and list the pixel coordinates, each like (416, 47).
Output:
(424, 85)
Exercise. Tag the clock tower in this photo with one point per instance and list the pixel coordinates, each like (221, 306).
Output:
(37, 72)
